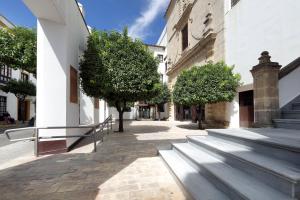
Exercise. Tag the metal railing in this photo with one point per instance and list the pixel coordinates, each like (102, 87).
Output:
(95, 129)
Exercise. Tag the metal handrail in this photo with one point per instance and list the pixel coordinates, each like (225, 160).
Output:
(106, 123)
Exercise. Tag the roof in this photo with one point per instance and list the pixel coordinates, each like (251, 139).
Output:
(154, 45)
(289, 68)
(77, 3)
(6, 22)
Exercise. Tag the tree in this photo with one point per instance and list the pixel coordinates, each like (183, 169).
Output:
(91, 68)
(18, 48)
(164, 96)
(211, 83)
(21, 89)
(124, 71)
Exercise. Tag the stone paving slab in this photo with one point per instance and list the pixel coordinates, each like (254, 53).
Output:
(126, 166)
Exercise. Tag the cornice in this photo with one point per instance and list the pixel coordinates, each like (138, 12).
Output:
(191, 52)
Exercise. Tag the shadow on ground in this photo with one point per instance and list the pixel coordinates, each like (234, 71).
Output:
(79, 176)
(190, 126)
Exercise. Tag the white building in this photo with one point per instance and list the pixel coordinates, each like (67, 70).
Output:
(159, 50)
(62, 38)
(8, 101)
(254, 26)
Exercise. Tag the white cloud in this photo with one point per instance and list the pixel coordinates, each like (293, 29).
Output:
(139, 28)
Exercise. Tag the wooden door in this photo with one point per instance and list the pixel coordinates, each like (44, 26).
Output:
(246, 104)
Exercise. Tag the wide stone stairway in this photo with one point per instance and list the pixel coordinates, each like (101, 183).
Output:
(260, 164)
(290, 115)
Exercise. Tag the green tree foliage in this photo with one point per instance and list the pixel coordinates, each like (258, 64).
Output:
(91, 68)
(21, 89)
(18, 48)
(211, 83)
(123, 71)
(163, 96)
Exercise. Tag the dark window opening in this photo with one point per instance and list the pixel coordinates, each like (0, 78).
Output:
(161, 107)
(166, 66)
(185, 37)
(5, 74)
(160, 58)
(3, 105)
(24, 77)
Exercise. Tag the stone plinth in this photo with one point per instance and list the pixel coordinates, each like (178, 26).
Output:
(266, 97)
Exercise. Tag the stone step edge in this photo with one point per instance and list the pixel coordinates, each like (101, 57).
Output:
(186, 192)
(256, 165)
(230, 185)
(260, 142)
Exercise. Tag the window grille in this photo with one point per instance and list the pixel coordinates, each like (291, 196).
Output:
(5, 74)
(160, 58)
(3, 105)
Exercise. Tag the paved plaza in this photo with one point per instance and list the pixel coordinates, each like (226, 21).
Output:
(126, 166)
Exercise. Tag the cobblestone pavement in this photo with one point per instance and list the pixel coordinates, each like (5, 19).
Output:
(126, 166)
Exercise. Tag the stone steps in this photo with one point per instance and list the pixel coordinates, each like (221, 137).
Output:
(240, 164)
(287, 123)
(296, 106)
(290, 114)
(195, 184)
(278, 174)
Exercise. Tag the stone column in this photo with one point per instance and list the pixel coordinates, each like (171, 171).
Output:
(266, 97)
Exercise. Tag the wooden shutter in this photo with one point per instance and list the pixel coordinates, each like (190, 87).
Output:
(73, 85)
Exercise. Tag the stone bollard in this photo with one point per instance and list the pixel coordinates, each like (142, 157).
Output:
(266, 96)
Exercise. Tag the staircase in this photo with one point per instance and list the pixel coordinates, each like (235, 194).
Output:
(290, 116)
(258, 164)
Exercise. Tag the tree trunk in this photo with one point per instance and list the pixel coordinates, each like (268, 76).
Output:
(158, 111)
(200, 120)
(121, 111)
(121, 128)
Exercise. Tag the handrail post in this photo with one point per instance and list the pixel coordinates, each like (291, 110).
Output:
(95, 141)
(36, 150)
(111, 124)
(107, 127)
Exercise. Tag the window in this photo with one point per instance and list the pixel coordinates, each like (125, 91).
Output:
(185, 37)
(73, 85)
(24, 77)
(161, 77)
(166, 67)
(2, 105)
(160, 58)
(234, 2)
(5, 74)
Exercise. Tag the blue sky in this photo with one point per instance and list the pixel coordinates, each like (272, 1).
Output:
(144, 18)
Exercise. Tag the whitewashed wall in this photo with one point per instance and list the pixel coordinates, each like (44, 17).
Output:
(127, 115)
(103, 110)
(254, 26)
(12, 101)
(289, 87)
(62, 36)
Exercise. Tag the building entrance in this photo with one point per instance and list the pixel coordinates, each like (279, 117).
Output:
(246, 104)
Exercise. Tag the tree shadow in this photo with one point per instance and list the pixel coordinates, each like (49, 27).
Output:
(189, 126)
(80, 175)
